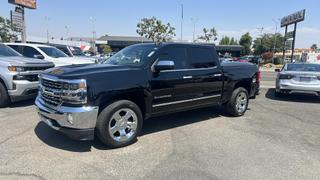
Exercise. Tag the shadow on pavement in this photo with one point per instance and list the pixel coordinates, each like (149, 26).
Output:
(305, 98)
(58, 140)
(24, 103)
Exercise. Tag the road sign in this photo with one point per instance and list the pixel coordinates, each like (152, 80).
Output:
(31, 4)
(293, 18)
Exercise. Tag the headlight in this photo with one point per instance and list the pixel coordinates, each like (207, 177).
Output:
(16, 69)
(74, 92)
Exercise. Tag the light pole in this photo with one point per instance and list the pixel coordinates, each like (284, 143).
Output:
(47, 19)
(67, 33)
(194, 21)
(182, 22)
(93, 20)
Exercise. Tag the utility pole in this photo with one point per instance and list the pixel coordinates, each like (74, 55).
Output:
(194, 21)
(275, 39)
(261, 34)
(182, 22)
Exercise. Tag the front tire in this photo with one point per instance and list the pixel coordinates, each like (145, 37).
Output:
(4, 97)
(238, 103)
(119, 124)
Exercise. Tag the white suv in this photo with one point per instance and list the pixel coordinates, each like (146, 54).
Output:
(48, 53)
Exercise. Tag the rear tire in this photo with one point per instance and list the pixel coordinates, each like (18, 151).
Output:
(4, 97)
(119, 124)
(238, 103)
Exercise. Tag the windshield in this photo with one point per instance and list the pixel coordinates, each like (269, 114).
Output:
(76, 51)
(53, 52)
(304, 67)
(7, 51)
(132, 56)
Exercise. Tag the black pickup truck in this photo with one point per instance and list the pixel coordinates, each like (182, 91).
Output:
(113, 99)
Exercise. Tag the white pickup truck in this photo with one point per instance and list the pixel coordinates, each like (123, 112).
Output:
(19, 75)
(48, 53)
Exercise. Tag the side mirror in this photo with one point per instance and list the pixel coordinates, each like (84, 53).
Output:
(164, 65)
(277, 70)
(38, 56)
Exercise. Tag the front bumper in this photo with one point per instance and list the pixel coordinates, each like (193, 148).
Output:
(23, 89)
(284, 86)
(75, 122)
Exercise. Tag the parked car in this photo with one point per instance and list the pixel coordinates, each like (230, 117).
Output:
(18, 75)
(139, 82)
(73, 51)
(47, 53)
(298, 78)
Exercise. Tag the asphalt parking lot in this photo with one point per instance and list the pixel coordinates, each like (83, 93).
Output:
(278, 138)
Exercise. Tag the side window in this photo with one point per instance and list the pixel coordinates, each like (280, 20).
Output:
(65, 50)
(30, 52)
(202, 57)
(176, 54)
(16, 48)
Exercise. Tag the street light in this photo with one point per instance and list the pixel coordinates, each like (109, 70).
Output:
(67, 33)
(194, 21)
(93, 20)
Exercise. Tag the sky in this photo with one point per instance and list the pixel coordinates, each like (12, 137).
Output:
(120, 17)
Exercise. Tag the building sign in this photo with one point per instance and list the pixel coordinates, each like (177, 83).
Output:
(293, 18)
(31, 4)
(290, 35)
(17, 19)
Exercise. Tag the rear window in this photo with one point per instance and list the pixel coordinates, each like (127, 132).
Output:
(303, 67)
(201, 57)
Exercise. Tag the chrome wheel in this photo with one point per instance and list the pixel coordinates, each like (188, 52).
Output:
(242, 102)
(123, 125)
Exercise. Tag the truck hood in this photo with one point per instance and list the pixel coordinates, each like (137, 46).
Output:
(24, 61)
(84, 71)
(75, 60)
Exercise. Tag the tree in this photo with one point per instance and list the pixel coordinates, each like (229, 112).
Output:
(246, 42)
(268, 43)
(314, 47)
(209, 34)
(153, 29)
(228, 41)
(7, 30)
(105, 49)
(224, 41)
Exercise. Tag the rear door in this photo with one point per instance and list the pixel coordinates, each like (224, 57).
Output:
(207, 74)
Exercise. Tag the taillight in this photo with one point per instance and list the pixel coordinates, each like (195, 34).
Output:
(258, 77)
(286, 76)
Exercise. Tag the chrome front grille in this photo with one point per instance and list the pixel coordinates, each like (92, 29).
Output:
(50, 92)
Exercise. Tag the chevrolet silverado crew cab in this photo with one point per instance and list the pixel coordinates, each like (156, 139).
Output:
(113, 99)
(19, 75)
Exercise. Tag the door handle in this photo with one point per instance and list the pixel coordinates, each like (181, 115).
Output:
(187, 77)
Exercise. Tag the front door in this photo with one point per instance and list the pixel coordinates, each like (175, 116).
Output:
(172, 89)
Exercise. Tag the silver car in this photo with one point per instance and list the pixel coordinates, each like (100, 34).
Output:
(298, 78)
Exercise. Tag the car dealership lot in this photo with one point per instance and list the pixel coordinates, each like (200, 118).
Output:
(276, 139)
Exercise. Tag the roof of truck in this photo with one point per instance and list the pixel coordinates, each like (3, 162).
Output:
(28, 44)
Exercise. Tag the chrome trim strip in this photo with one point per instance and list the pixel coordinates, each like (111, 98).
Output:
(183, 101)
(193, 69)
